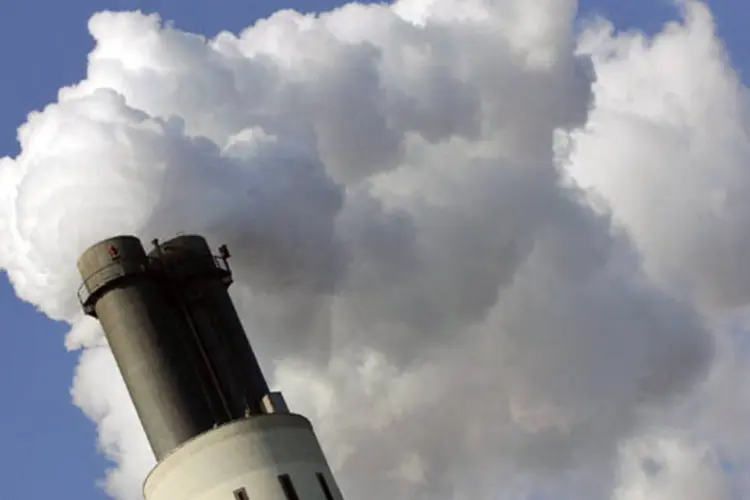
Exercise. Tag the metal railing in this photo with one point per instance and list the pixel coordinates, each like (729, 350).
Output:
(106, 274)
(120, 269)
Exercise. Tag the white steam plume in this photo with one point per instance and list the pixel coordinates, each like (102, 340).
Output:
(416, 263)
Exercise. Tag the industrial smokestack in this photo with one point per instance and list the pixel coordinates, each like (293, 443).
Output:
(199, 392)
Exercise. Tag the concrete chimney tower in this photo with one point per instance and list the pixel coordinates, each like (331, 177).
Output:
(216, 430)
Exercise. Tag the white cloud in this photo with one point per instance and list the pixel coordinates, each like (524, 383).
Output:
(666, 468)
(667, 146)
(416, 267)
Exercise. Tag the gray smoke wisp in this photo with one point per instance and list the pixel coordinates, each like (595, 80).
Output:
(488, 256)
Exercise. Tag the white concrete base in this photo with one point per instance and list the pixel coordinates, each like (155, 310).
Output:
(243, 460)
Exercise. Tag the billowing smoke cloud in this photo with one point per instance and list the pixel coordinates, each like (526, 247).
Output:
(667, 467)
(677, 174)
(418, 263)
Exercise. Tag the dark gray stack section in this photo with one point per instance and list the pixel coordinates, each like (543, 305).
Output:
(174, 333)
(203, 282)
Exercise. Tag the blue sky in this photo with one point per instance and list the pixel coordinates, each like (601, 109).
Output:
(39, 428)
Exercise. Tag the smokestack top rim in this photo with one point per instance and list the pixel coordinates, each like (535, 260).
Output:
(193, 244)
(115, 241)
